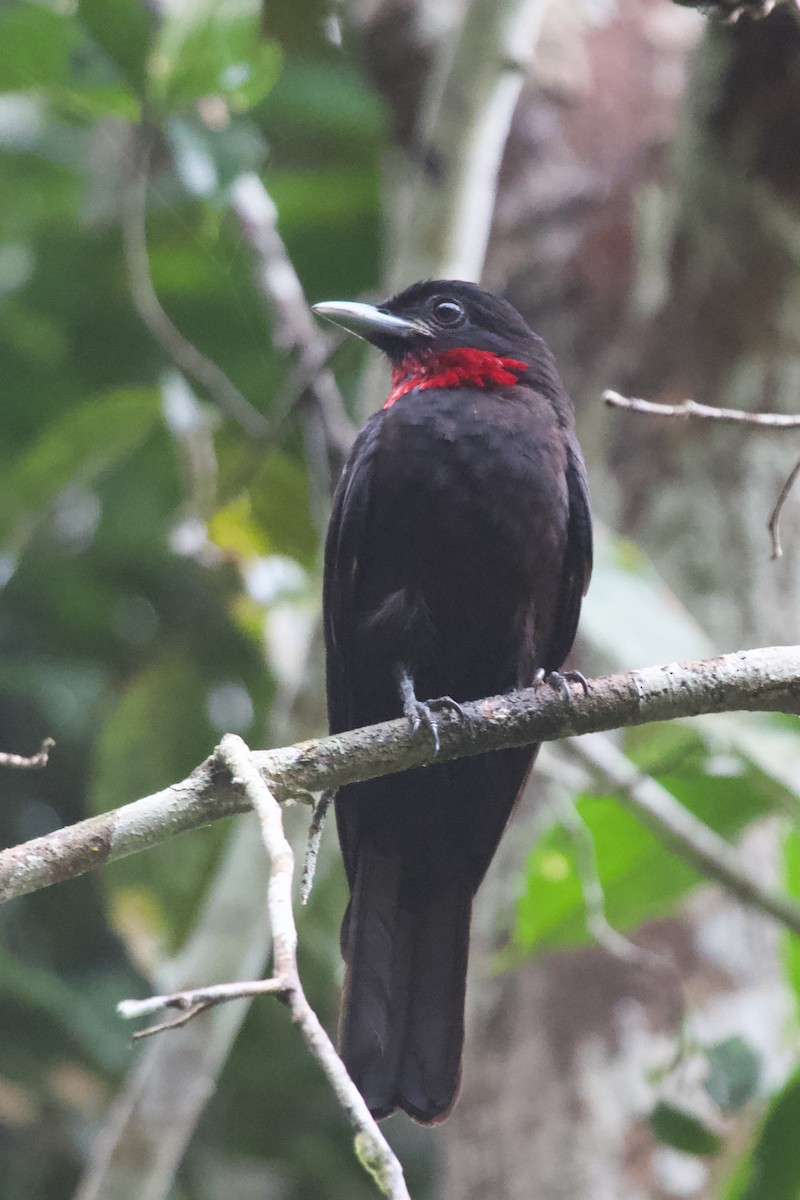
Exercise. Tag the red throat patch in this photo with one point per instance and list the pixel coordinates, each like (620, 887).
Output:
(453, 368)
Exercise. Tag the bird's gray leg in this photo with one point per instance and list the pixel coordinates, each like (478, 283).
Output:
(560, 680)
(423, 712)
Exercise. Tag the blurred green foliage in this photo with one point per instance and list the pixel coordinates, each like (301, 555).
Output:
(129, 535)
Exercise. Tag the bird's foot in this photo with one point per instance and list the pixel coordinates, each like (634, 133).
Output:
(561, 680)
(423, 712)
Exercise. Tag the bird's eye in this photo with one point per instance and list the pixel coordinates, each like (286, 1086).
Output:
(447, 312)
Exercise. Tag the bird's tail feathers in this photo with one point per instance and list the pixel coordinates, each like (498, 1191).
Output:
(405, 940)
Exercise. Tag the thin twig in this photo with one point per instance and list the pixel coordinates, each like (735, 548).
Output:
(731, 416)
(774, 523)
(312, 844)
(765, 680)
(372, 1148)
(204, 997)
(294, 330)
(705, 412)
(33, 763)
(211, 378)
(680, 830)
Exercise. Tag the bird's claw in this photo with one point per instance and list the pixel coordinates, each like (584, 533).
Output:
(561, 680)
(419, 712)
(423, 712)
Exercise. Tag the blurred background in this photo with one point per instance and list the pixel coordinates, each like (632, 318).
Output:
(627, 172)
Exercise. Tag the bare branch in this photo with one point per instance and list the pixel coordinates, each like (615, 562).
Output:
(731, 416)
(183, 353)
(295, 332)
(372, 1148)
(706, 412)
(766, 680)
(33, 763)
(197, 998)
(774, 523)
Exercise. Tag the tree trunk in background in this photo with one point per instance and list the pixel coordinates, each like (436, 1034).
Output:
(667, 271)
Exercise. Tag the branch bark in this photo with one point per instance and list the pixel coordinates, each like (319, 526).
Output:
(730, 416)
(765, 680)
(32, 762)
(705, 412)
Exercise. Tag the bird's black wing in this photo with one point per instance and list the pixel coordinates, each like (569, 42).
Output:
(345, 541)
(577, 559)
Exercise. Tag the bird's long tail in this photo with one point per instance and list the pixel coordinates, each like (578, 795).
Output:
(405, 939)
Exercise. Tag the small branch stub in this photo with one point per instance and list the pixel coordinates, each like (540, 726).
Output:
(35, 762)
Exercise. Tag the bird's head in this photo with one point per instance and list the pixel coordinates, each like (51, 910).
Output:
(446, 333)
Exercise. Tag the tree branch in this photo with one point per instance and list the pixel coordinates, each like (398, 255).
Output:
(211, 378)
(774, 522)
(730, 416)
(765, 680)
(33, 762)
(295, 332)
(705, 412)
(233, 757)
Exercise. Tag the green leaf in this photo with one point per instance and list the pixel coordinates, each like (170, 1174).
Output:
(35, 193)
(219, 56)
(683, 1130)
(122, 28)
(658, 628)
(639, 876)
(280, 505)
(734, 1073)
(35, 44)
(76, 449)
(92, 102)
(771, 1171)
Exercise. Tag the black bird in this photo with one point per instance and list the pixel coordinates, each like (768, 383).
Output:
(459, 548)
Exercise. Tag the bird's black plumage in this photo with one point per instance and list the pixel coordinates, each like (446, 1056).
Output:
(458, 551)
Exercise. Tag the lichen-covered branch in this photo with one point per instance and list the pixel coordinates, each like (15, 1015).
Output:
(753, 680)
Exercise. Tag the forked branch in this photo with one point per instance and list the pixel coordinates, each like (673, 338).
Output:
(233, 758)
